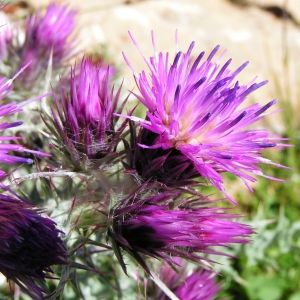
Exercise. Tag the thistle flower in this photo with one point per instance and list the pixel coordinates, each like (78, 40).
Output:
(196, 285)
(50, 33)
(29, 244)
(148, 226)
(194, 108)
(84, 125)
(5, 110)
(48, 44)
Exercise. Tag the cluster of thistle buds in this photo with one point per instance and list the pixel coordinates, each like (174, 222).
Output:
(87, 186)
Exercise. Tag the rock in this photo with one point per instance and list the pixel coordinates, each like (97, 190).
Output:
(291, 7)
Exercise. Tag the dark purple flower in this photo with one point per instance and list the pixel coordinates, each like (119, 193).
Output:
(29, 244)
(84, 124)
(194, 108)
(157, 226)
(196, 285)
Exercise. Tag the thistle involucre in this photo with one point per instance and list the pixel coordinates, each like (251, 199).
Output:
(168, 166)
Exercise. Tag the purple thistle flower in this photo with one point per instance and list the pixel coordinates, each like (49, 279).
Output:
(85, 125)
(148, 226)
(194, 108)
(29, 244)
(49, 44)
(5, 110)
(48, 39)
(51, 32)
(198, 285)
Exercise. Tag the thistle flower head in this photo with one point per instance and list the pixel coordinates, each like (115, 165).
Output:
(194, 108)
(199, 285)
(48, 44)
(50, 33)
(84, 123)
(29, 244)
(149, 226)
(196, 285)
